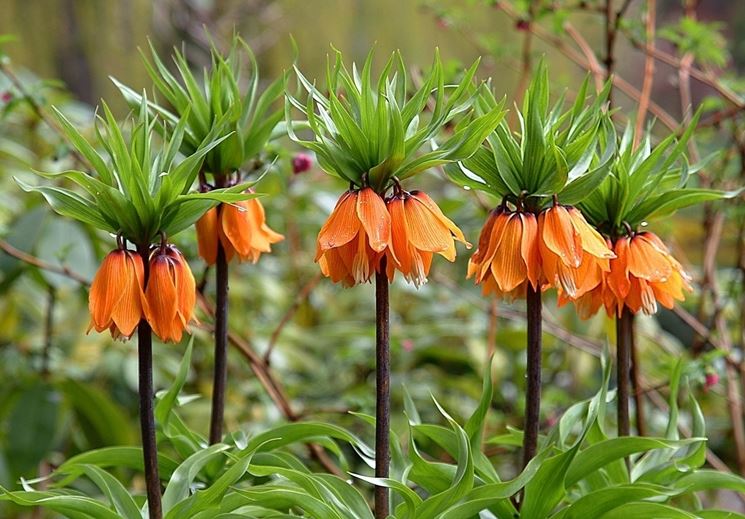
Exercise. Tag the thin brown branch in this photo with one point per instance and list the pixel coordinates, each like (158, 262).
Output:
(706, 78)
(526, 56)
(646, 92)
(39, 110)
(623, 86)
(289, 314)
(595, 67)
(270, 385)
(41, 264)
(550, 327)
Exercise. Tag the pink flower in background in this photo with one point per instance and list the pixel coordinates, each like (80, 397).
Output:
(6, 96)
(711, 380)
(407, 344)
(301, 163)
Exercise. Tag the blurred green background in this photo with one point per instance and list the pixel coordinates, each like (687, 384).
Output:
(63, 391)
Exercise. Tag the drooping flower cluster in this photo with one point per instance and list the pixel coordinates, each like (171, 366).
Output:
(241, 229)
(120, 297)
(643, 274)
(558, 248)
(406, 229)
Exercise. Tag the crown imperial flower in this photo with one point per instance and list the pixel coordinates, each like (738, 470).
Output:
(115, 299)
(507, 256)
(573, 254)
(241, 229)
(419, 229)
(645, 273)
(353, 239)
(170, 295)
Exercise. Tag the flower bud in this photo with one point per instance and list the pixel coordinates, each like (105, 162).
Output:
(301, 163)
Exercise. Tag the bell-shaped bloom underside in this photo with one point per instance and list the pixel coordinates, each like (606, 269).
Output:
(170, 295)
(354, 238)
(419, 229)
(115, 299)
(507, 257)
(241, 229)
(645, 273)
(574, 256)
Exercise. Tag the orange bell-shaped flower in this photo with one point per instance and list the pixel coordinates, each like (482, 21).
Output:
(241, 228)
(573, 254)
(507, 257)
(115, 299)
(353, 239)
(419, 229)
(645, 273)
(170, 295)
(208, 235)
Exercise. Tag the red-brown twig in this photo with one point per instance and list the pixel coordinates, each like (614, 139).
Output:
(646, 92)
(41, 264)
(289, 314)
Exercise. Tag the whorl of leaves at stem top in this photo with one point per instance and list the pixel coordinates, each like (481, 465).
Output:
(136, 190)
(220, 105)
(646, 182)
(553, 152)
(368, 132)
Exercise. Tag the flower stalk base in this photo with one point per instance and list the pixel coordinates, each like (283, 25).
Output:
(382, 388)
(533, 374)
(221, 346)
(147, 418)
(623, 364)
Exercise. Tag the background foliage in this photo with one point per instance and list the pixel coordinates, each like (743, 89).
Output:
(303, 346)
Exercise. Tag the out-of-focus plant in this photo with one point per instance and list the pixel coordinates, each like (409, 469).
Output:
(227, 106)
(551, 163)
(578, 472)
(371, 134)
(140, 195)
(647, 182)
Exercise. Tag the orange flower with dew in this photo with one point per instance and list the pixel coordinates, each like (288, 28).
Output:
(115, 300)
(241, 228)
(507, 257)
(591, 301)
(419, 230)
(644, 273)
(170, 295)
(574, 255)
(354, 238)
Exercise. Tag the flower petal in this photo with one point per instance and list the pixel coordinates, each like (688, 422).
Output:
(508, 267)
(529, 248)
(207, 236)
(128, 310)
(437, 212)
(559, 235)
(374, 218)
(342, 225)
(645, 261)
(107, 288)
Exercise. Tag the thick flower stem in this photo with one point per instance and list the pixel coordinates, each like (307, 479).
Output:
(221, 346)
(147, 418)
(623, 366)
(382, 387)
(533, 375)
(641, 422)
